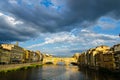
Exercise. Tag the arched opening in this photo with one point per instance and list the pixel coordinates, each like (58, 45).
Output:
(74, 63)
(61, 63)
(49, 63)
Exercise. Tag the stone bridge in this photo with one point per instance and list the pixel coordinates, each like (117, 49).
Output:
(56, 60)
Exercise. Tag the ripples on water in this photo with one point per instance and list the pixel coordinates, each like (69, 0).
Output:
(51, 72)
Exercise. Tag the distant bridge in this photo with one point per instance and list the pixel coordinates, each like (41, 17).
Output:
(56, 60)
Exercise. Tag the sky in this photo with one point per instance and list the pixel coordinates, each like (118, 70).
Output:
(60, 27)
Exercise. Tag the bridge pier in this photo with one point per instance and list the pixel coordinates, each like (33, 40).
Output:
(55, 60)
(67, 64)
(55, 63)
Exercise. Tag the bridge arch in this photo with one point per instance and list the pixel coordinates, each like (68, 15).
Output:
(56, 60)
(49, 63)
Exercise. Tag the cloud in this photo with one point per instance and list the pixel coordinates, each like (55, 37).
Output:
(57, 38)
(36, 18)
(83, 38)
(91, 10)
(107, 23)
(68, 43)
(14, 30)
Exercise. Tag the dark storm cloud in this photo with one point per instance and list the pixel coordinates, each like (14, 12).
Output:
(9, 31)
(10, 34)
(43, 19)
(92, 9)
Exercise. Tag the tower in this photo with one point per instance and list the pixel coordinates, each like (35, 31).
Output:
(17, 43)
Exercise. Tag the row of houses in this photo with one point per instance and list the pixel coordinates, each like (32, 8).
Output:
(12, 53)
(101, 57)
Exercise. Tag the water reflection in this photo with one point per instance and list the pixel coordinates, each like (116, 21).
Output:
(51, 72)
(98, 75)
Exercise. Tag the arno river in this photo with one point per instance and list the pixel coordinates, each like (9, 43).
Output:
(58, 72)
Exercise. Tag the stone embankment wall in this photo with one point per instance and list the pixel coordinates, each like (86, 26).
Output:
(14, 67)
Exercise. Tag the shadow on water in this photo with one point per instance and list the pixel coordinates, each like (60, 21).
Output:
(74, 64)
(90, 74)
(58, 72)
(29, 74)
(49, 63)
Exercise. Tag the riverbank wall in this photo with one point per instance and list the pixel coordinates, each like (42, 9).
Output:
(14, 67)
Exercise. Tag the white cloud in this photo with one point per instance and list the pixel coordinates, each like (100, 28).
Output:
(107, 23)
(84, 39)
(13, 1)
(10, 20)
(1, 14)
(19, 30)
(97, 35)
(85, 30)
(14, 23)
(56, 38)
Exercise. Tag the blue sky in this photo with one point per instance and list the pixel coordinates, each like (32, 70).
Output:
(60, 27)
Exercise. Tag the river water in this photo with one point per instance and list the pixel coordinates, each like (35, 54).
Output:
(58, 72)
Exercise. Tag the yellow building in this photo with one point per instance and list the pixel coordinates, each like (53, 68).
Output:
(101, 57)
(17, 53)
(39, 55)
(108, 60)
(81, 59)
(94, 59)
(94, 56)
(89, 56)
(28, 55)
(100, 50)
(4, 56)
(76, 55)
(116, 50)
(36, 56)
(32, 56)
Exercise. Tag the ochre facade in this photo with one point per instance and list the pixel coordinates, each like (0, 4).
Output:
(101, 57)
